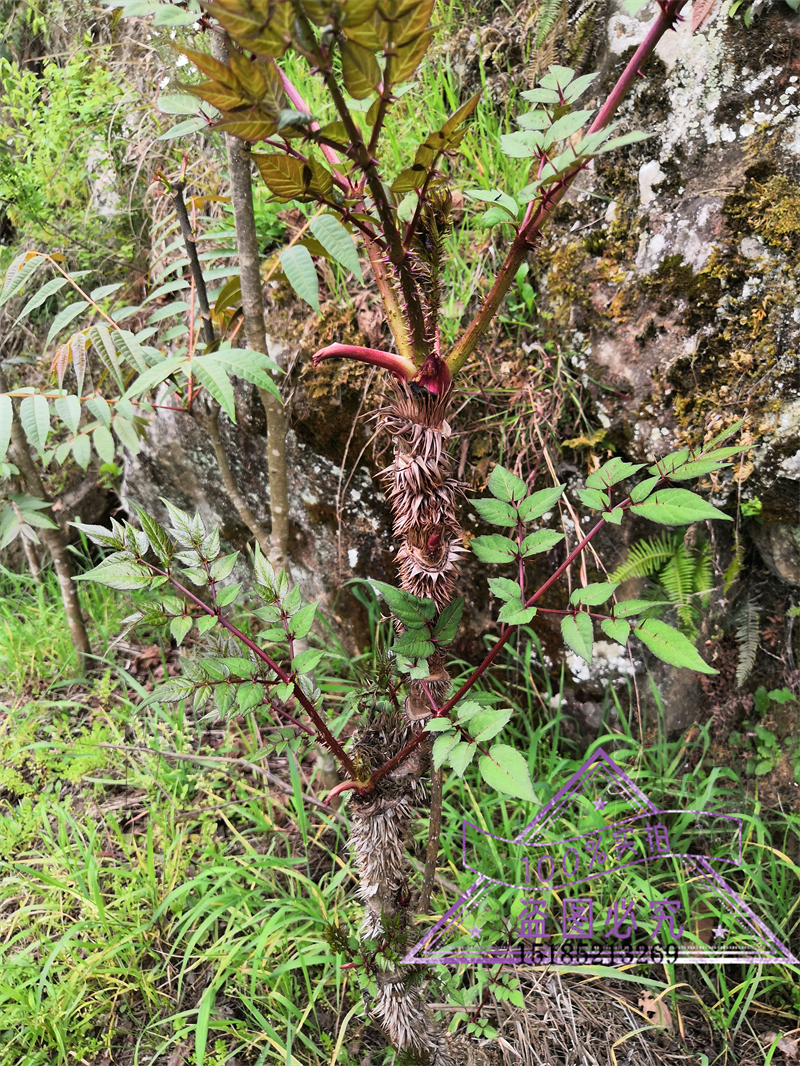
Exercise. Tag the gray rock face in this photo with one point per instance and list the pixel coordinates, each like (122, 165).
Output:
(683, 297)
(779, 546)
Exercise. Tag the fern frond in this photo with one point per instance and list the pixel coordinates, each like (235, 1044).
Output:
(736, 564)
(704, 573)
(551, 9)
(646, 557)
(747, 634)
(677, 577)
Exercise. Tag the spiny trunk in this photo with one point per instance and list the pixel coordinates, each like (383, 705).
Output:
(422, 494)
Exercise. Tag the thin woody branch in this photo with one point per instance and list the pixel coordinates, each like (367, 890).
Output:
(194, 262)
(323, 732)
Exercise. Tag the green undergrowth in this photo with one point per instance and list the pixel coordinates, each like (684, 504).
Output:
(162, 908)
(36, 650)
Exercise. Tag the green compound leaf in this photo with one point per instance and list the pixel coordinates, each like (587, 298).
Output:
(104, 444)
(228, 594)
(671, 646)
(34, 414)
(39, 298)
(496, 512)
(630, 607)
(64, 317)
(306, 660)
(644, 488)
(540, 503)
(515, 613)
(448, 621)
(438, 725)
(126, 432)
(461, 756)
(578, 634)
(442, 747)
(506, 204)
(610, 473)
(506, 486)
(337, 242)
(677, 507)
(221, 568)
(541, 541)
(68, 409)
(301, 623)
(118, 573)
(594, 594)
(414, 644)
(619, 630)
(593, 498)
(249, 695)
(214, 377)
(412, 610)
(179, 627)
(298, 266)
(154, 375)
(507, 771)
(489, 722)
(504, 588)
(494, 549)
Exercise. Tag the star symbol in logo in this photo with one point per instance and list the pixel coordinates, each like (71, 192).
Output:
(475, 932)
(720, 932)
(600, 804)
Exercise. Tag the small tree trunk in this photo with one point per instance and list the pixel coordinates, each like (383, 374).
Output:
(255, 333)
(33, 560)
(53, 539)
(207, 415)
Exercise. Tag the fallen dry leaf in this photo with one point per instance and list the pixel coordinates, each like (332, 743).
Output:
(789, 1045)
(701, 9)
(656, 1011)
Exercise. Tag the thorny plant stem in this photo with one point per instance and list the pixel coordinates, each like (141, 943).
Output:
(434, 832)
(530, 229)
(383, 280)
(368, 165)
(487, 662)
(194, 263)
(391, 304)
(330, 153)
(325, 735)
(363, 158)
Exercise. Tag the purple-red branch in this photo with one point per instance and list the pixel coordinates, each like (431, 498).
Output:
(487, 662)
(529, 230)
(398, 364)
(323, 733)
